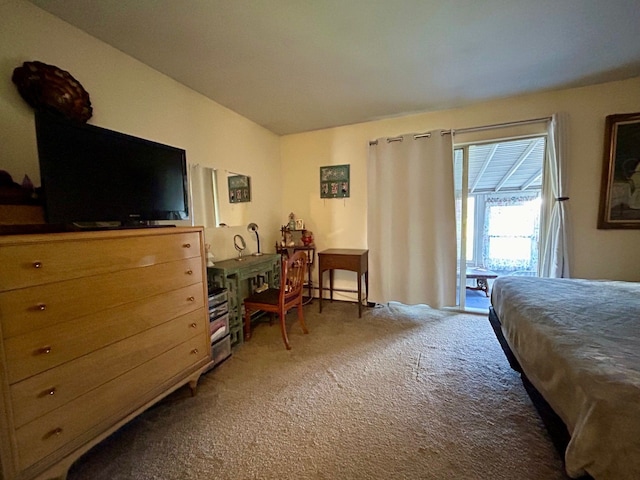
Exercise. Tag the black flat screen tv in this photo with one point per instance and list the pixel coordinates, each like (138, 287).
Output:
(92, 175)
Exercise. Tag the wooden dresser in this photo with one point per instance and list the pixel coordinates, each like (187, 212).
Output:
(95, 328)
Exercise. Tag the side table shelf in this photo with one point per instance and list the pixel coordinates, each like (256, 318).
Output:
(241, 278)
(311, 253)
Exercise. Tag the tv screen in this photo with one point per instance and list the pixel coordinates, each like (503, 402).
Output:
(91, 174)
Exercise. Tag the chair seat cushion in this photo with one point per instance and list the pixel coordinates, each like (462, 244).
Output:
(269, 297)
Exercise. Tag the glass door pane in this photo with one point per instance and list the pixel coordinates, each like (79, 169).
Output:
(498, 187)
(460, 187)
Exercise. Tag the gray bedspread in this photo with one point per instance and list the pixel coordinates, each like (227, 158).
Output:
(578, 341)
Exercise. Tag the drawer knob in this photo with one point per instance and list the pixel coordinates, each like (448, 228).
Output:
(37, 264)
(194, 351)
(189, 272)
(187, 245)
(53, 433)
(41, 306)
(45, 350)
(49, 392)
(192, 299)
(194, 325)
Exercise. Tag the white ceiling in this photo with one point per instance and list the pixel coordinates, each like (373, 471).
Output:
(300, 65)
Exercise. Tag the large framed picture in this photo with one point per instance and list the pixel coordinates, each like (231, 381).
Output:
(620, 188)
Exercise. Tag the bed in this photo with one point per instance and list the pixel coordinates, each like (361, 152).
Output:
(577, 345)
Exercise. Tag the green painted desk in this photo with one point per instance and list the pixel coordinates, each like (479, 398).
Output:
(240, 278)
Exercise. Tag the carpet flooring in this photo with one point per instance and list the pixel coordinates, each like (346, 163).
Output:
(405, 392)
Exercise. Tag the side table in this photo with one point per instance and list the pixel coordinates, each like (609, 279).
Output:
(344, 259)
(481, 276)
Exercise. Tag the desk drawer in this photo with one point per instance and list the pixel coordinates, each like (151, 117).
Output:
(259, 269)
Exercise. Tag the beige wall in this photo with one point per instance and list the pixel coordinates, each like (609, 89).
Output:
(130, 97)
(611, 254)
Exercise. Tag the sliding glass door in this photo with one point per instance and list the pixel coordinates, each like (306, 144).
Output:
(498, 200)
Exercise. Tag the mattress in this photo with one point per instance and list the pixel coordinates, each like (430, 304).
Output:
(578, 342)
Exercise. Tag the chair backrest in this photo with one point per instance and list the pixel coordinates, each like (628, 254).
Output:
(292, 276)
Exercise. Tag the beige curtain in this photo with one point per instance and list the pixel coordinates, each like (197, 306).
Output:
(411, 229)
(554, 251)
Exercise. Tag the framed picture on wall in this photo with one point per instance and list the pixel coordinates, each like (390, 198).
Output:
(620, 188)
(239, 188)
(334, 181)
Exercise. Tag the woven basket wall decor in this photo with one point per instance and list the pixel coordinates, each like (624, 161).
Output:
(49, 87)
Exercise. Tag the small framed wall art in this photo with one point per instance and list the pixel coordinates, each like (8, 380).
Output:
(334, 181)
(239, 188)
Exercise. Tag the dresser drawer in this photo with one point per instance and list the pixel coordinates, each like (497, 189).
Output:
(78, 421)
(38, 263)
(30, 309)
(68, 340)
(53, 388)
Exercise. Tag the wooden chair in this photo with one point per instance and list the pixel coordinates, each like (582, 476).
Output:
(280, 300)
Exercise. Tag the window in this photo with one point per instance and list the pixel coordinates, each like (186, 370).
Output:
(511, 233)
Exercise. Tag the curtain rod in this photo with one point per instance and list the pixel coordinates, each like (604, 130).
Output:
(497, 125)
(470, 129)
(399, 139)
